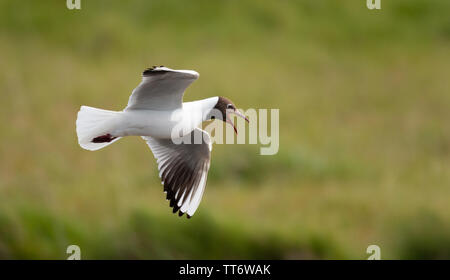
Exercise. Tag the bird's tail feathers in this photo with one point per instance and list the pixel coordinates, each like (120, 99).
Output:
(94, 127)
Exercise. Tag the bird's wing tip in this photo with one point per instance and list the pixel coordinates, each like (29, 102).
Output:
(155, 70)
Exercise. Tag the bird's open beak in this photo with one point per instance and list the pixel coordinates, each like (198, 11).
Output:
(237, 113)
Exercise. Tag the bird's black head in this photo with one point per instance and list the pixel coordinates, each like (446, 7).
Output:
(224, 107)
(223, 104)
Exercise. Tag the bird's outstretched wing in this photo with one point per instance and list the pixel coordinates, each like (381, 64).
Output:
(161, 88)
(183, 168)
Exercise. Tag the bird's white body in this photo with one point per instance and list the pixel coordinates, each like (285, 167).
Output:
(163, 123)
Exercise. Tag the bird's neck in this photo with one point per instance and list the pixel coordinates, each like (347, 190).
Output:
(204, 106)
(208, 104)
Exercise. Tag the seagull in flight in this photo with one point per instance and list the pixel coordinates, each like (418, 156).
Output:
(157, 113)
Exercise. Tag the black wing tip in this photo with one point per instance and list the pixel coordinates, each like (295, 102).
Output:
(152, 70)
(177, 209)
(180, 214)
(174, 204)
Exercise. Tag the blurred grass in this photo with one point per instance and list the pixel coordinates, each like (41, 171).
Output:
(364, 110)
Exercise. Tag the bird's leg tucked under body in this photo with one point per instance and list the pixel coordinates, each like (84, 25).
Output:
(103, 138)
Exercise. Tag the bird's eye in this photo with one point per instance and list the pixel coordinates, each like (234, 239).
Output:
(229, 106)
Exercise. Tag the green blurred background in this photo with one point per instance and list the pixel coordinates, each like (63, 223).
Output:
(364, 129)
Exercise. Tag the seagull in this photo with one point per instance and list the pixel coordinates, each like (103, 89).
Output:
(157, 113)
